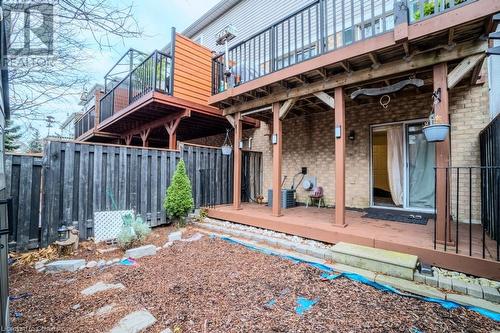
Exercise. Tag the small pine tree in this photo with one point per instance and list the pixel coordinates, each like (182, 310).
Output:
(179, 200)
(35, 145)
(12, 136)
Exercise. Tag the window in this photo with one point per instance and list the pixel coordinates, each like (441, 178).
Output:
(199, 39)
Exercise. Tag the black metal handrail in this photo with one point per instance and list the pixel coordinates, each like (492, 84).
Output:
(467, 209)
(318, 28)
(152, 74)
(85, 123)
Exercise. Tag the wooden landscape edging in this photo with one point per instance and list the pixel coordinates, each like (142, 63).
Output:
(73, 180)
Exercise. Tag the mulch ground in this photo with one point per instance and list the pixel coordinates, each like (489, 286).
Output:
(214, 286)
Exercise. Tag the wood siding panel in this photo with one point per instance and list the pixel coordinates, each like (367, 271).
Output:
(192, 71)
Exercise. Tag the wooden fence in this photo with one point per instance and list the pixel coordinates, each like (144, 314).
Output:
(78, 179)
(23, 185)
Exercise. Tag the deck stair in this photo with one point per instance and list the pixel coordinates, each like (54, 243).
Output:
(376, 260)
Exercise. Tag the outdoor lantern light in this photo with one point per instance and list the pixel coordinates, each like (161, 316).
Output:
(338, 132)
(63, 233)
(274, 139)
(241, 144)
(352, 135)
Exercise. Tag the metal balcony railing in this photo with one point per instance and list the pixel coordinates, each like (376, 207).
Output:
(85, 123)
(153, 74)
(318, 28)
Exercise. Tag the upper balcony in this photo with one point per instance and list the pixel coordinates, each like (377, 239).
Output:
(328, 37)
(146, 92)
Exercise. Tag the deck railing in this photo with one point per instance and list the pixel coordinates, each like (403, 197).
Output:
(472, 212)
(318, 28)
(85, 123)
(153, 74)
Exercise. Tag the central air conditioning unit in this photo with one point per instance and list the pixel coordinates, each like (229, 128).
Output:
(287, 198)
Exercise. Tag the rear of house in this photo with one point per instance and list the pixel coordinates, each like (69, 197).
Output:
(334, 95)
(324, 77)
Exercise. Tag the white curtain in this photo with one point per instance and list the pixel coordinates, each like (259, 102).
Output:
(395, 166)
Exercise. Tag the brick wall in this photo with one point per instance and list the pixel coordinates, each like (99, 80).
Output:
(309, 141)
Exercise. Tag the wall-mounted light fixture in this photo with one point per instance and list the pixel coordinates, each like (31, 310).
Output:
(241, 144)
(274, 139)
(352, 135)
(338, 132)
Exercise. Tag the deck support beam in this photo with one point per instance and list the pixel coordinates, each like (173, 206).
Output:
(277, 141)
(128, 139)
(340, 134)
(440, 76)
(171, 128)
(144, 136)
(238, 133)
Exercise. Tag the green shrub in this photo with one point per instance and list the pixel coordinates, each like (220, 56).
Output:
(133, 232)
(179, 200)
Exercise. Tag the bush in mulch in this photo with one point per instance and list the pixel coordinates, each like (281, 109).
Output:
(179, 199)
(133, 232)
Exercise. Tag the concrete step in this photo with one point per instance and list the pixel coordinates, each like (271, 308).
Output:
(377, 260)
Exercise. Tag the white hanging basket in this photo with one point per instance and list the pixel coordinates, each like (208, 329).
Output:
(226, 150)
(436, 132)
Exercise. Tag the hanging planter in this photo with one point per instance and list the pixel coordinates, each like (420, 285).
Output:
(435, 130)
(226, 146)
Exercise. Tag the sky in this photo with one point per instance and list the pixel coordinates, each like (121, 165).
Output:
(155, 18)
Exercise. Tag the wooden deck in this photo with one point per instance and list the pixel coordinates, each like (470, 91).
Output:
(318, 224)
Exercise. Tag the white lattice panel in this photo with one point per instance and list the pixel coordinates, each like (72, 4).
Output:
(107, 224)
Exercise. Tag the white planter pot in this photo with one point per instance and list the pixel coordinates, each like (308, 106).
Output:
(436, 132)
(226, 150)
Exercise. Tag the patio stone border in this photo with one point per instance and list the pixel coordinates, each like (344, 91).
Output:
(442, 284)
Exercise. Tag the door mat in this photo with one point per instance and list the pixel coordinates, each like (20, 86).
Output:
(397, 216)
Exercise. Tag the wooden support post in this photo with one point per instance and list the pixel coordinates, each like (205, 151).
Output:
(128, 139)
(237, 161)
(98, 96)
(144, 137)
(277, 159)
(440, 75)
(171, 128)
(400, 21)
(340, 134)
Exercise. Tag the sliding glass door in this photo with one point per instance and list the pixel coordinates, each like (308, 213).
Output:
(402, 161)
(420, 156)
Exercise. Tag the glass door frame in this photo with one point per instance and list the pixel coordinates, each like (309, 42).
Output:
(403, 125)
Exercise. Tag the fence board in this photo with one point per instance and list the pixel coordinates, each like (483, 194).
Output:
(23, 184)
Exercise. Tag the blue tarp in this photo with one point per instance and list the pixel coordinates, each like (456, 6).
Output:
(329, 274)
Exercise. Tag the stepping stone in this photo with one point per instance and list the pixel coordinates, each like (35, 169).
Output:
(101, 286)
(134, 322)
(391, 263)
(104, 310)
(65, 265)
(175, 236)
(139, 252)
(197, 236)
